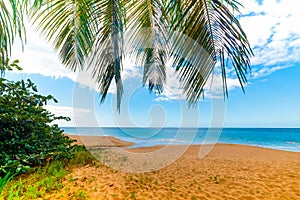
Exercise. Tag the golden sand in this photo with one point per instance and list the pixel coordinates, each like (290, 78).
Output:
(227, 172)
(99, 141)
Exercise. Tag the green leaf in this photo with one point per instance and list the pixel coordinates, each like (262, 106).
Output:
(25, 134)
(34, 88)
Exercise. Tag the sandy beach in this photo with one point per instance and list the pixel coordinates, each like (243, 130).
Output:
(227, 172)
(96, 141)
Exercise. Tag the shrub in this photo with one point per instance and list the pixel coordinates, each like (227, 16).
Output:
(28, 137)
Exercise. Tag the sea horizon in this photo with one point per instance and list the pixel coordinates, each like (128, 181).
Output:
(62, 127)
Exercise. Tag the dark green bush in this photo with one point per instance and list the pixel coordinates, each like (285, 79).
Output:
(27, 136)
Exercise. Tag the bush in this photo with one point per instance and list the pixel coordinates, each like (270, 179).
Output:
(26, 134)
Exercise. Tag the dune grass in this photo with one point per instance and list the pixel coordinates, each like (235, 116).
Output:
(48, 179)
(5, 180)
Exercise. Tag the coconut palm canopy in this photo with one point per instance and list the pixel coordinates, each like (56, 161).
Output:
(11, 25)
(97, 34)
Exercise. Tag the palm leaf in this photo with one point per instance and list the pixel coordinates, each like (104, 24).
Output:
(106, 56)
(213, 34)
(70, 26)
(11, 24)
(148, 41)
(195, 33)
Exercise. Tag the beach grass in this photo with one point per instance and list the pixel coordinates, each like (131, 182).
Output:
(37, 184)
(4, 180)
(41, 181)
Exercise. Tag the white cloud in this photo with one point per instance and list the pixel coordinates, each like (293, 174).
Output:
(213, 87)
(39, 57)
(129, 71)
(257, 73)
(172, 90)
(215, 84)
(273, 33)
(67, 111)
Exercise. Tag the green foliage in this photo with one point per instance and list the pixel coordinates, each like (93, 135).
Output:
(5, 179)
(37, 184)
(26, 134)
(44, 180)
(81, 156)
(9, 66)
(11, 26)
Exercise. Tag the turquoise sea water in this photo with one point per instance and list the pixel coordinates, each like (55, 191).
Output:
(276, 138)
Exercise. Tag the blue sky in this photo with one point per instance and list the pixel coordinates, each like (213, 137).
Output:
(271, 100)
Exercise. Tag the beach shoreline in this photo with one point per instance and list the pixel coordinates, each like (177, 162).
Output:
(281, 138)
(229, 171)
(111, 141)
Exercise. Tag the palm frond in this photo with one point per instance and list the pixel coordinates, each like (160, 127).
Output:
(11, 25)
(196, 34)
(214, 32)
(70, 26)
(148, 41)
(107, 53)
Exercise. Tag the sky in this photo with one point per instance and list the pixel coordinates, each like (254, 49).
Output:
(271, 97)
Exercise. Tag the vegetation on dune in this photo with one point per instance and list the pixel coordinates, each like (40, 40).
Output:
(27, 136)
(42, 181)
(34, 152)
(27, 133)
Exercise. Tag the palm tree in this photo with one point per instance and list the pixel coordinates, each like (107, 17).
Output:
(11, 25)
(93, 33)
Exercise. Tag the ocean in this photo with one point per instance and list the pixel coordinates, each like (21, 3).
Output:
(287, 139)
